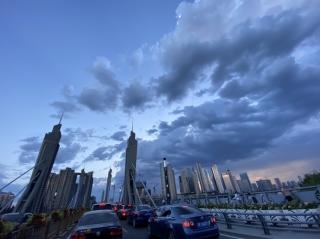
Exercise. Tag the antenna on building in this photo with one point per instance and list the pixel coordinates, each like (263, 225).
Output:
(132, 125)
(61, 117)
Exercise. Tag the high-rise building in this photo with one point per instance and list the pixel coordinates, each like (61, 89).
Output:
(228, 183)
(208, 182)
(264, 185)
(60, 190)
(217, 181)
(129, 191)
(32, 198)
(102, 196)
(187, 184)
(6, 200)
(84, 188)
(107, 192)
(278, 183)
(168, 182)
(245, 182)
(204, 180)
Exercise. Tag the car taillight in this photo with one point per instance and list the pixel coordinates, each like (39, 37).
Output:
(78, 235)
(116, 232)
(213, 220)
(187, 223)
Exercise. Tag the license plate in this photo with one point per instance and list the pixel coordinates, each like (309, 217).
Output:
(203, 224)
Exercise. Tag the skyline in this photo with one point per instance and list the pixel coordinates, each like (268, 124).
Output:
(235, 85)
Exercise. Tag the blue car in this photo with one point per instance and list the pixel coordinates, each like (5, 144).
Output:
(140, 215)
(182, 222)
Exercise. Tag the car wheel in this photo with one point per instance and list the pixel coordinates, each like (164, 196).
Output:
(171, 235)
(134, 223)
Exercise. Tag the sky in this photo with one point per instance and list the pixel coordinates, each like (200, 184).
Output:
(232, 82)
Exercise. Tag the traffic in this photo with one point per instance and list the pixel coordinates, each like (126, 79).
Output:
(178, 221)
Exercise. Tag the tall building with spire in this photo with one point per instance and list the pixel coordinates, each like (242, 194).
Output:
(217, 180)
(129, 190)
(32, 198)
(107, 192)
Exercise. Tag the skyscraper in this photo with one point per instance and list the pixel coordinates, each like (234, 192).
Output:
(84, 189)
(32, 198)
(278, 183)
(245, 182)
(228, 183)
(187, 184)
(107, 192)
(264, 185)
(129, 190)
(168, 182)
(217, 179)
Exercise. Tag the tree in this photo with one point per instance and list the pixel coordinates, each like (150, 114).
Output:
(311, 179)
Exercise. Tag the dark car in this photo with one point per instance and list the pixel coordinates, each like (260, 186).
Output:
(16, 218)
(123, 211)
(116, 207)
(102, 206)
(140, 215)
(98, 224)
(182, 222)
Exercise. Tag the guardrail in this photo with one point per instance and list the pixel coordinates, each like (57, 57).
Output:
(50, 228)
(267, 221)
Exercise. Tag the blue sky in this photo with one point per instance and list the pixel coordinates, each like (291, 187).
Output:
(229, 82)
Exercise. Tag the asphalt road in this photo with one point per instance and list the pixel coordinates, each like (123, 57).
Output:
(129, 232)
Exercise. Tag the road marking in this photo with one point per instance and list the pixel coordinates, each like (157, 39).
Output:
(231, 236)
(125, 230)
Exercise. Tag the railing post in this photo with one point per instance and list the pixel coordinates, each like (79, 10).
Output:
(264, 224)
(227, 219)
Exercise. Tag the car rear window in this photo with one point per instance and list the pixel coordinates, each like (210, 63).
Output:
(185, 210)
(102, 207)
(97, 218)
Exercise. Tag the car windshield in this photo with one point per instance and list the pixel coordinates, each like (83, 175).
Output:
(184, 210)
(12, 217)
(144, 207)
(97, 218)
(102, 207)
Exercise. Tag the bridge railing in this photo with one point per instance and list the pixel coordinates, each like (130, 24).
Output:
(268, 221)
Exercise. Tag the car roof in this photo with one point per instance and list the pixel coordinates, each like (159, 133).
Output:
(99, 211)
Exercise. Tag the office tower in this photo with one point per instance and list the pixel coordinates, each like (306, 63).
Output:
(168, 182)
(228, 183)
(245, 182)
(129, 191)
(82, 196)
(107, 192)
(102, 196)
(217, 179)
(264, 185)
(113, 191)
(203, 180)
(32, 198)
(278, 183)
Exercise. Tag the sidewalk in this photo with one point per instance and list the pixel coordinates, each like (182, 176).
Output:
(257, 233)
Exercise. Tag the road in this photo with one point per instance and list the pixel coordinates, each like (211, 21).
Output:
(130, 232)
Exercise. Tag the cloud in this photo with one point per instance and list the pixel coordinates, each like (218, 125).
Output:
(29, 150)
(118, 136)
(136, 96)
(106, 152)
(152, 131)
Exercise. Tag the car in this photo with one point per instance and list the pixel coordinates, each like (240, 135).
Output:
(116, 207)
(16, 218)
(182, 222)
(123, 211)
(97, 224)
(139, 215)
(102, 206)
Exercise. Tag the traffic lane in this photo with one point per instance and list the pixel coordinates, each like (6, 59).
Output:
(129, 232)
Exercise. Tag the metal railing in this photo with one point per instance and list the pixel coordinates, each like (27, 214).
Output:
(269, 221)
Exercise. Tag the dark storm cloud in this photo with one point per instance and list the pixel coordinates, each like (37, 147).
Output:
(136, 96)
(251, 47)
(98, 100)
(106, 152)
(118, 136)
(152, 131)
